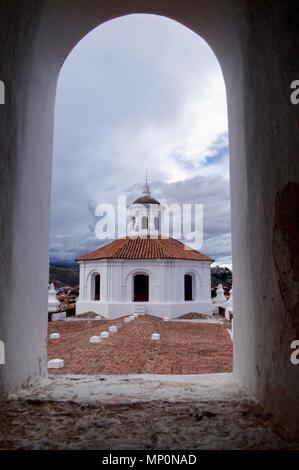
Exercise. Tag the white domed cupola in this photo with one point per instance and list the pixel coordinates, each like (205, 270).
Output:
(147, 271)
(144, 215)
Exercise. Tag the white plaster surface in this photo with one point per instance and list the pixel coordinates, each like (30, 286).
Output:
(113, 329)
(230, 333)
(55, 364)
(54, 335)
(155, 337)
(95, 339)
(53, 303)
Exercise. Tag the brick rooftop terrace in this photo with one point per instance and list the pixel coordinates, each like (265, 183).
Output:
(184, 348)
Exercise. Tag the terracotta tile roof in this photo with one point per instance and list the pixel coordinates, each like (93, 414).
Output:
(145, 248)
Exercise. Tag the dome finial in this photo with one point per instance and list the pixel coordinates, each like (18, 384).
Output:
(146, 189)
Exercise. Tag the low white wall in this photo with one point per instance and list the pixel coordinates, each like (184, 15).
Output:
(160, 309)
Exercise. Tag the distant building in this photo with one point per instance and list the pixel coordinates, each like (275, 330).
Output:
(145, 273)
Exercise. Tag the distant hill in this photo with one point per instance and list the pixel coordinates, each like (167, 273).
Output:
(64, 264)
(62, 276)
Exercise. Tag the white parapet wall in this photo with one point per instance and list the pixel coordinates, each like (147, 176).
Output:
(115, 310)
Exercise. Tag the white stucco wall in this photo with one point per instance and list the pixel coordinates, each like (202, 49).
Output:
(166, 287)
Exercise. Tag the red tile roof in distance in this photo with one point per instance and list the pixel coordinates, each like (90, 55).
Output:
(145, 248)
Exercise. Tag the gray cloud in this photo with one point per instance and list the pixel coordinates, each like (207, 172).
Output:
(212, 192)
(139, 91)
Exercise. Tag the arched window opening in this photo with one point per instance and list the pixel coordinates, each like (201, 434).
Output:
(97, 287)
(188, 287)
(141, 288)
(156, 223)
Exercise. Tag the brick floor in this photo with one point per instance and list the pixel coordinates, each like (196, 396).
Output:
(184, 348)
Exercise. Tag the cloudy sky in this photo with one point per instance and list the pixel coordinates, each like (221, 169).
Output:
(140, 91)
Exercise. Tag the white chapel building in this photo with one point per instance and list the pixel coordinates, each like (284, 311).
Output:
(145, 272)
